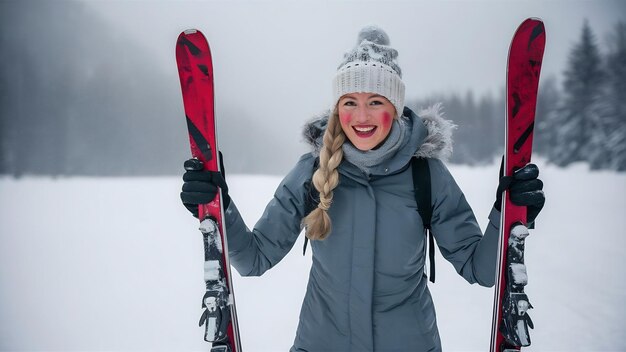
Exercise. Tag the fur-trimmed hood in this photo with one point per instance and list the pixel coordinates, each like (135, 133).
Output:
(436, 140)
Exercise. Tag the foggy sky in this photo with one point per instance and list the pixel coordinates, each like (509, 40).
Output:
(95, 82)
(275, 59)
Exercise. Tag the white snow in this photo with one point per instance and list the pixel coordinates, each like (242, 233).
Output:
(519, 232)
(209, 226)
(521, 332)
(520, 277)
(212, 329)
(211, 270)
(116, 264)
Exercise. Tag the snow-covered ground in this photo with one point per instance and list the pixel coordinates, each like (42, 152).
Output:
(115, 264)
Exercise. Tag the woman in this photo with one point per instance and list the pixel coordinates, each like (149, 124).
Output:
(367, 288)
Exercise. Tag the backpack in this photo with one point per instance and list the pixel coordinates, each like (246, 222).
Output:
(422, 187)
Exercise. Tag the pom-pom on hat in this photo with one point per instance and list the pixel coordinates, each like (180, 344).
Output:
(371, 67)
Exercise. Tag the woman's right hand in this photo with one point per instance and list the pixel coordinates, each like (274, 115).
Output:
(201, 187)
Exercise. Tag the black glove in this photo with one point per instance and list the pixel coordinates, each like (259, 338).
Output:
(525, 189)
(201, 187)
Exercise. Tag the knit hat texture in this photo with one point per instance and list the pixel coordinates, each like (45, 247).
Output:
(371, 67)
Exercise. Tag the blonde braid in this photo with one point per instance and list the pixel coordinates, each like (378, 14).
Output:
(325, 179)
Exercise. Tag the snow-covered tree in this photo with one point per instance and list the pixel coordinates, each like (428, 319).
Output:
(546, 116)
(615, 101)
(579, 116)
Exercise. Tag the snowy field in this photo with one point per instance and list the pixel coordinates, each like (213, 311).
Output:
(115, 264)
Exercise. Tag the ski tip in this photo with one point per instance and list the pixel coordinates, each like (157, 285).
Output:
(534, 19)
(531, 22)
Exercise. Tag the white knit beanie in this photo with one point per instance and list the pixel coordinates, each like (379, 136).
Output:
(371, 67)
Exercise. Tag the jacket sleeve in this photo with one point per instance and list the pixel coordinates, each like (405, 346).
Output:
(254, 252)
(457, 233)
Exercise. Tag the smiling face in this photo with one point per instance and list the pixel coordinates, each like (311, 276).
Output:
(366, 118)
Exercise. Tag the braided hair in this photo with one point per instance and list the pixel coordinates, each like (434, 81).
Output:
(326, 179)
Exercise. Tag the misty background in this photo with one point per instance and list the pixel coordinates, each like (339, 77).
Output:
(91, 87)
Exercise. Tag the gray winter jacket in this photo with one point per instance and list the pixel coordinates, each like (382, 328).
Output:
(367, 288)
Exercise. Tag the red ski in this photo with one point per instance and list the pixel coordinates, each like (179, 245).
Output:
(509, 331)
(195, 70)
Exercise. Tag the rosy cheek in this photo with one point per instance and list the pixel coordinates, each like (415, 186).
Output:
(345, 118)
(387, 120)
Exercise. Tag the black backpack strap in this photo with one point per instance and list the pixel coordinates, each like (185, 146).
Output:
(421, 184)
(312, 199)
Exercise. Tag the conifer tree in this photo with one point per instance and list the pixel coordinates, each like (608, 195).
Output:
(614, 99)
(579, 115)
(546, 116)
